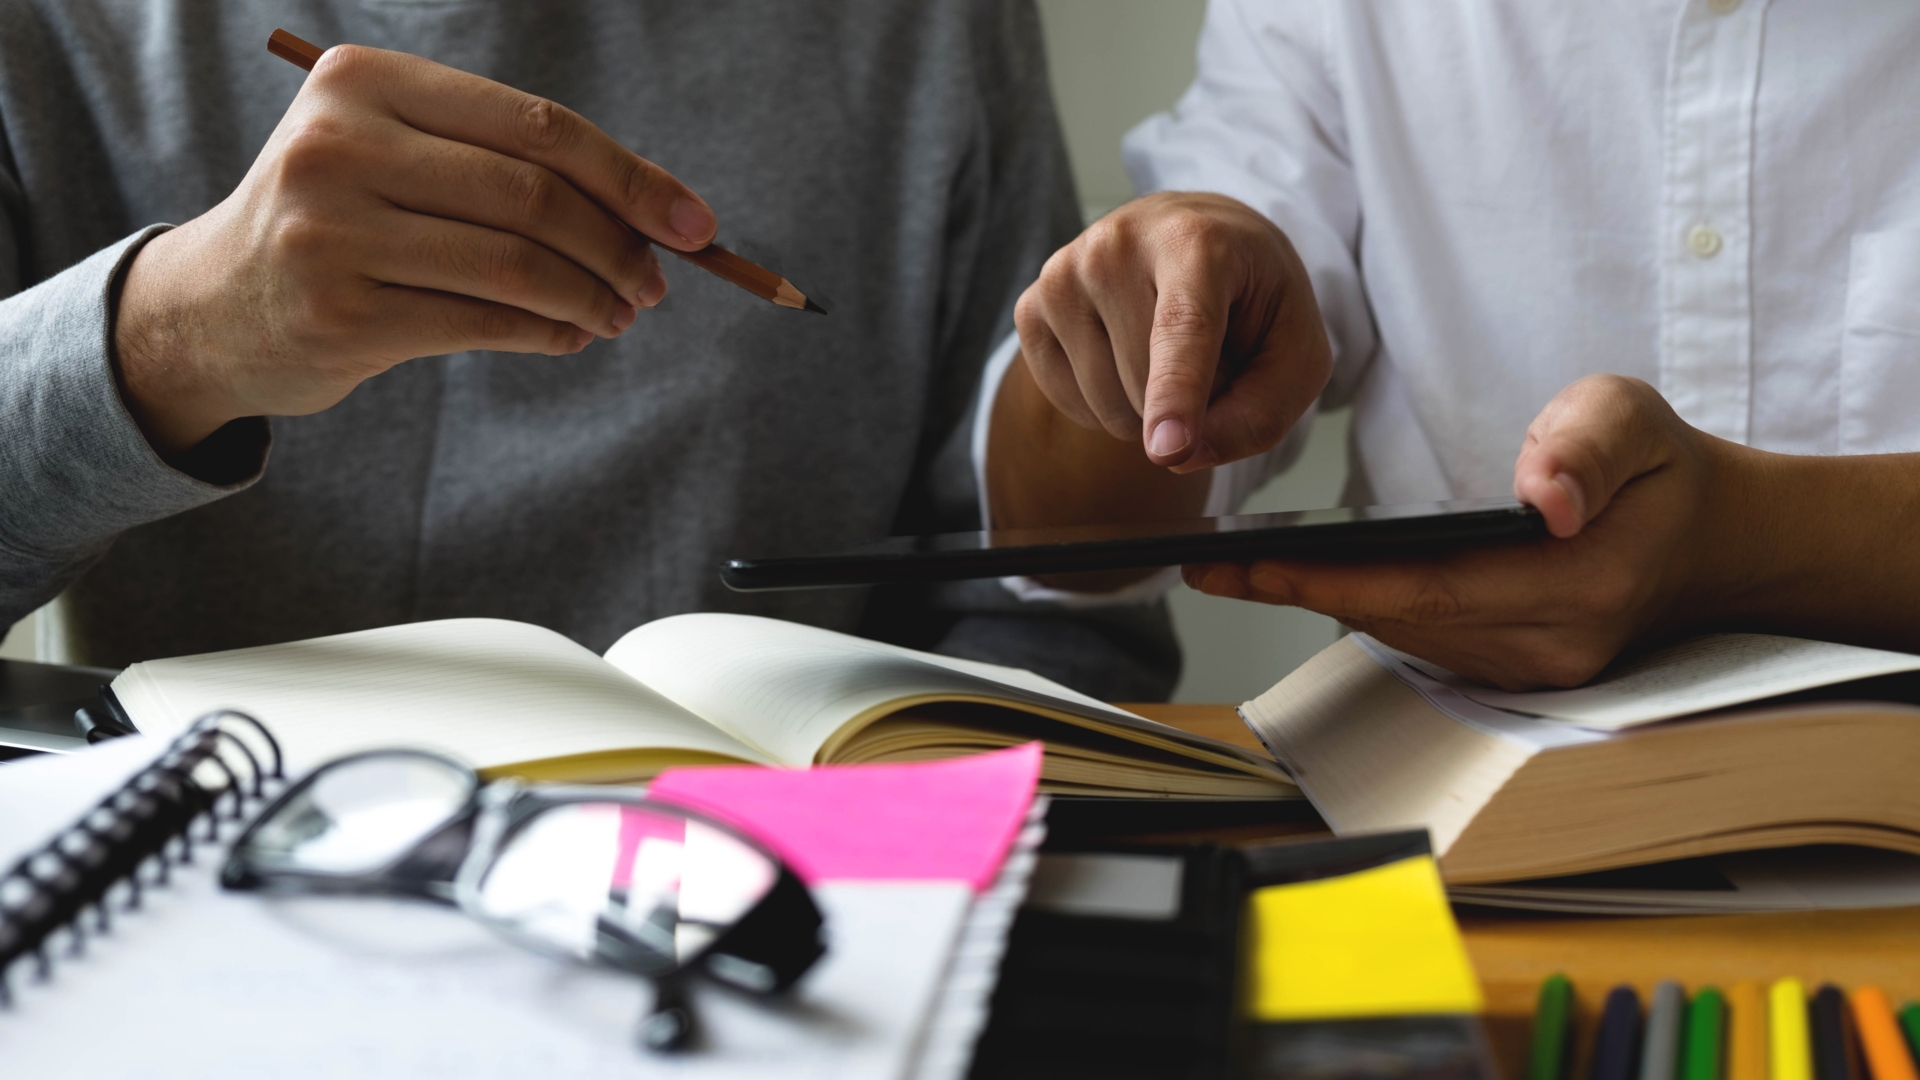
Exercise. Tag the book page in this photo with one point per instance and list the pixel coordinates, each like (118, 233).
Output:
(1713, 671)
(787, 688)
(488, 691)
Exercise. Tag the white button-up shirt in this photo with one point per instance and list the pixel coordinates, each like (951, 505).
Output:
(1497, 197)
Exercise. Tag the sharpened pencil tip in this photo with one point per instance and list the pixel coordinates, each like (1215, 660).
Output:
(815, 308)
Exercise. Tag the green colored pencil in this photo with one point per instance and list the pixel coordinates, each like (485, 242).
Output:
(1550, 1021)
(1910, 1023)
(1706, 1034)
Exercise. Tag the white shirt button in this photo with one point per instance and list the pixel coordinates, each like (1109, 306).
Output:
(1704, 241)
(1723, 7)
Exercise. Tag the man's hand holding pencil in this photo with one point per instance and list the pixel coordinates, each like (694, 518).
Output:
(400, 209)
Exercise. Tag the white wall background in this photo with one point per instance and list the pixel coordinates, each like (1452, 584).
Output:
(1114, 62)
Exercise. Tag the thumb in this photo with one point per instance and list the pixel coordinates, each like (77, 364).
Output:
(1594, 438)
(1183, 350)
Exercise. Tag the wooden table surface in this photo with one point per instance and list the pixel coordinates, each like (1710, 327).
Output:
(1513, 952)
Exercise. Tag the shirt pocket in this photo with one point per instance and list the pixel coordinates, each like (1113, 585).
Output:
(1880, 345)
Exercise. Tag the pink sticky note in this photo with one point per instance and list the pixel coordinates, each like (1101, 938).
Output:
(931, 821)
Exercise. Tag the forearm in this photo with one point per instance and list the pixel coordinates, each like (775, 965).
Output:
(1829, 547)
(1043, 469)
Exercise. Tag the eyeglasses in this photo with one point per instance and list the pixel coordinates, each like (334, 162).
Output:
(590, 874)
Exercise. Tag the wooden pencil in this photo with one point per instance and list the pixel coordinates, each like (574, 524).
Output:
(1887, 1055)
(1747, 1038)
(713, 258)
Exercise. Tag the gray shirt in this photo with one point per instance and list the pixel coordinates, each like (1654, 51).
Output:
(900, 159)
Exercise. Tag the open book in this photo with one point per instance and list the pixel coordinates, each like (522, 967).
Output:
(508, 697)
(1725, 743)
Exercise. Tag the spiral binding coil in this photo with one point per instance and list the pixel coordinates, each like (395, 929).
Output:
(51, 887)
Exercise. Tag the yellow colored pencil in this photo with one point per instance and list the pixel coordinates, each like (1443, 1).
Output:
(1790, 1055)
(1747, 1031)
(1886, 1048)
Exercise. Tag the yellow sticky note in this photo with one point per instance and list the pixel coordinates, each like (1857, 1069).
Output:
(1381, 942)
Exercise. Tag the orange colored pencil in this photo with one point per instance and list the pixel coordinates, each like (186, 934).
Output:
(713, 258)
(1887, 1055)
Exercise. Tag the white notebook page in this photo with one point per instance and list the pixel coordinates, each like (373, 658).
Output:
(489, 691)
(207, 984)
(787, 688)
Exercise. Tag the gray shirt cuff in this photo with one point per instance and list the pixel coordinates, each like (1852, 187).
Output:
(75, 468)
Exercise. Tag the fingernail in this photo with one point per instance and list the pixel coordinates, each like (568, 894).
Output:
(651, 290)
(1169, 437)
(692, 221)
(581, 338)
(623, 318)
(1571, 489)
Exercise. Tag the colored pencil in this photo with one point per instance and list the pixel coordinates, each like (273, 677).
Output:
(1910, 1023)
(713, 258)
(1747, 1032)
(1835, 1054)
(1886, 1049)
(1701, 1050)
(1660, 1050)
(1551, 1015)
(1616, 1052)
(1790, 1053)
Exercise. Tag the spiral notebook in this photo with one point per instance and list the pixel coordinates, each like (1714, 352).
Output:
(198, 982)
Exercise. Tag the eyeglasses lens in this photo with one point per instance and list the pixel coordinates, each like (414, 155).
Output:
(361, 815)
(640, 888)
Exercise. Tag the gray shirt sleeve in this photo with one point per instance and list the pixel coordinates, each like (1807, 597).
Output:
(75, 469)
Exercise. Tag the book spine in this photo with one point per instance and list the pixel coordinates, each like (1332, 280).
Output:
(214, 772)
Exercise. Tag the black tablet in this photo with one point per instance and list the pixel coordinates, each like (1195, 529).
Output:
(1362, 532)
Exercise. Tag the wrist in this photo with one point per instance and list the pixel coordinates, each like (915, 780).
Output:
(1736, 555)
(174, 402)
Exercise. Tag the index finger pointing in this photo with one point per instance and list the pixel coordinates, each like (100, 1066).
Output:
(1183, 351)
(456, 105)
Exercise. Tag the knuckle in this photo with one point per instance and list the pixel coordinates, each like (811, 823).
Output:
(346, 65)
(544, 127)
(1105, 243)
(1190, 232)
(531, 191)
(493, 323)
(312, 150)
(504, 263)
(1057, 292)
(1027, 316)
(1180, 320)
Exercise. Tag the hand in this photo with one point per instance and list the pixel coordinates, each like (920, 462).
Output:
(1652, 533)
(1182, 321)
(400, 209)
